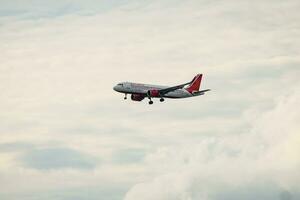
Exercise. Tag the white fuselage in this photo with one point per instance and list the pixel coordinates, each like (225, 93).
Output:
(138, 88)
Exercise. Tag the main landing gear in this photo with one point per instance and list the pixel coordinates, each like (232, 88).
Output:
(150, 101)
(161, 100)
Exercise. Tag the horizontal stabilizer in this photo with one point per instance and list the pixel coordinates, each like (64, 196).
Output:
(201, 92)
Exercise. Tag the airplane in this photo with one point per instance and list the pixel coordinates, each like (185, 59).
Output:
(140, 91)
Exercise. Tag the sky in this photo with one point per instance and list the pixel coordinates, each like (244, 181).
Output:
(65, 134)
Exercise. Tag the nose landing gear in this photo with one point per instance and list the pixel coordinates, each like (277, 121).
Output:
(125, 97)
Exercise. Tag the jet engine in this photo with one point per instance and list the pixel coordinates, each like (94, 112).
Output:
(137, 97)
(153, 93)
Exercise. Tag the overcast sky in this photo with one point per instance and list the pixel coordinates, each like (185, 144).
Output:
(65, 134)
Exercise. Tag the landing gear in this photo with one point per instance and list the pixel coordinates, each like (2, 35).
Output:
(161, 99)
(150, 101)
(125, 97)
(149, 97)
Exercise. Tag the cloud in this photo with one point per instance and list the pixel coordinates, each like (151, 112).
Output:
(127, 156)
(57, 158)
(12, 147)
(49, 9)
(263, 163)
(61, 59)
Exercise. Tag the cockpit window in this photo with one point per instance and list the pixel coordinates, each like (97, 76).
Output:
(120, 84)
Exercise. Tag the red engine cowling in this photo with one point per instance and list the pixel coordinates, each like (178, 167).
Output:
(153, 93)
(137, 97)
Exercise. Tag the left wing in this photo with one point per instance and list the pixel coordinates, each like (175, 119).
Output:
(170, 89)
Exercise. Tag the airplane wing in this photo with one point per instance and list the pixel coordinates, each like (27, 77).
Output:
(170, 89)
(203, 91)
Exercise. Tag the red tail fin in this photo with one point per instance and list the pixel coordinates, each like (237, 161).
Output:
(195, 85)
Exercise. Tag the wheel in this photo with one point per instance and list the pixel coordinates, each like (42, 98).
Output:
(162, 100)
(125, 98)
(150, 102)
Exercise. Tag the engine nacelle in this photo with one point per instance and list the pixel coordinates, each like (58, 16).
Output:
(137, 97)
(153, 93)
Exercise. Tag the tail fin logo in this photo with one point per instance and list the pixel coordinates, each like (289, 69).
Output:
(195, 84)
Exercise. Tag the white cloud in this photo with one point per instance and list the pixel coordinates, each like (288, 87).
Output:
(268, 154)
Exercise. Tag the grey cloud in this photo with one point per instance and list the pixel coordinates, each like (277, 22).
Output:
(15, 147)
(266, 191)
(36, 9)
(78, 193)
(57, 158)
(286, 195)
(129, 156)
(258, 193)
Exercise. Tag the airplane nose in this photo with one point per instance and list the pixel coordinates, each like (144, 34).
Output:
(115, 88)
